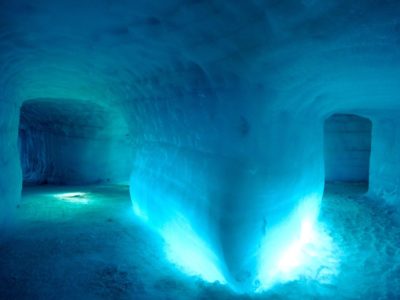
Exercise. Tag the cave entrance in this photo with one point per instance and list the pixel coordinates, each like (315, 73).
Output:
(72, 142)
(347, 146)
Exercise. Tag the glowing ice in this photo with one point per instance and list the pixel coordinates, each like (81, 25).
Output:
(230, 219)
(74, 197)
(189, 252)
(226, 133)
(309, 252)
(138, 211)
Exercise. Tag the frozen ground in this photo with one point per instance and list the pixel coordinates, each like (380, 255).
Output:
(85, 243)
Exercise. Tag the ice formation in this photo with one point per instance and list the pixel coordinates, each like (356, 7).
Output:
(216, 109)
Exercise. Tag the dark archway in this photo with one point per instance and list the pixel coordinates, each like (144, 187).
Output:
(347, 146)
(64, 141)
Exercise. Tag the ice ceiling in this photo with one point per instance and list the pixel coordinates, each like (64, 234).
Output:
(221, 104)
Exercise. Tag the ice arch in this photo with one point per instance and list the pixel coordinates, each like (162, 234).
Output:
(347, 147)
(69, 141)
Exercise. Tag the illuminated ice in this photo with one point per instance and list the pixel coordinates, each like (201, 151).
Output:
(74, 197)
(189, 252)
(234, 217)
(215, 108)
(282, 251)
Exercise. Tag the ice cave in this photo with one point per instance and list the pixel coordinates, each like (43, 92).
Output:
(193, 149)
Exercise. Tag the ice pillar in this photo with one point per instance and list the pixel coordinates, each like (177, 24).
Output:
(241, 208)
(274, 192)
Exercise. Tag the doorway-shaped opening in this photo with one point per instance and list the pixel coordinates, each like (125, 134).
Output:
(74, 142)
(347, 148)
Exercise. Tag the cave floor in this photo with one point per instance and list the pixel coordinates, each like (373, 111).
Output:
(85, 243)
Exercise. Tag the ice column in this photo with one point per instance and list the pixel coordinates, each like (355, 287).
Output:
(234, 213)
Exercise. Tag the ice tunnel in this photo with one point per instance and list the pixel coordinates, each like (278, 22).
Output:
(147, 146)
(347, 148)
(68, 141)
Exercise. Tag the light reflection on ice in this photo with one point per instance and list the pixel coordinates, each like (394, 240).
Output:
(310, 255)
(139, 212)
(75, 197)
(189, 252)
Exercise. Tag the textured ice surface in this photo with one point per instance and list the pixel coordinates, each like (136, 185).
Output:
(98, 249)
(385, 158)
(235, 198)
(224, 103)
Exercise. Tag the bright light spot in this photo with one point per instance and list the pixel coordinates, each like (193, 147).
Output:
(189, 252)
(76, 197)
(307, 231)
(309, 253)
(292, 257)
(139, 212)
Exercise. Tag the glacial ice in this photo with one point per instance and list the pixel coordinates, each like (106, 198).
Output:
(214, 112)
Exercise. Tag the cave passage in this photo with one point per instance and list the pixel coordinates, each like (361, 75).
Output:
(65, 142)
(199, 149)
(347, 148)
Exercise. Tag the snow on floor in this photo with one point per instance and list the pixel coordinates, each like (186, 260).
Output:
(85, 243)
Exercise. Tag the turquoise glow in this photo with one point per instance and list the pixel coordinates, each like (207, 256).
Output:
(298, 247)
(139, 212)
(302, 255)
(189, 252)
(184, 246)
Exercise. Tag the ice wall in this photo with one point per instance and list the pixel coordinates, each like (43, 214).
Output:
(347, 148)
(10, 174)
(385, 158)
